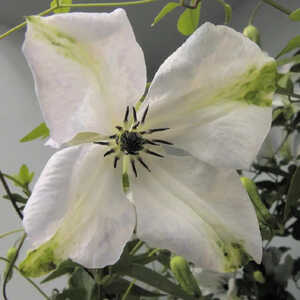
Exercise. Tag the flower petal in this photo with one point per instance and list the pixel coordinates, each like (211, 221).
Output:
(197, 211)
(214, 93)
(83, 69)
(78, 211)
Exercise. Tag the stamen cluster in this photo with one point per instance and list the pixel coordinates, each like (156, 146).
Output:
(129, 140)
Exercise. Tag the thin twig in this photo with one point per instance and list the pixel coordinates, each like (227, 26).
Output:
(28, 279)
(11, 198)
(11, 265)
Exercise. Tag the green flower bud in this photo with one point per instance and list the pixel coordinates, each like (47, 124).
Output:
(184, 276)
(259, 277)
(252, 33)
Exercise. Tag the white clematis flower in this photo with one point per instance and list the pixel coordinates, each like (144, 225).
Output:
(213, 95)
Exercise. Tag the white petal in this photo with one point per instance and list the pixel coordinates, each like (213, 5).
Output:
(87, 67)
(197, 211)
(215, 92)
(78, 210)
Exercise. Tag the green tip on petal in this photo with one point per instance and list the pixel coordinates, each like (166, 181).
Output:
(234, 255)
(40, 261)
(254, 87)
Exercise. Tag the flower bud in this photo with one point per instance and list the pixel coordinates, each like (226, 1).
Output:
(252, 33)
(259, 277)
(184, 276)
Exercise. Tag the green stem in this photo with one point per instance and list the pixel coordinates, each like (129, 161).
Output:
(137, 246)
(10, 232)
(125, 3)
(254, 12)
(28, 279)
(128, 289)
(278, 6)
(45, 12)
(11, 265)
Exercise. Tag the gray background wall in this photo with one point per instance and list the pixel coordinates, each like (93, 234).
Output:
(20, 112)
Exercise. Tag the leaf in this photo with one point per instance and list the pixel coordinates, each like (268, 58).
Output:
(188, 21)
(62, 9)
(165, 10)
(82, 280)
(293, 193)
(120, 285)
(24, 176)
(41, 131)
(154, 279)
(284, 270)
(65, 267)
(17, 198)
(293, 44)
(295, 15)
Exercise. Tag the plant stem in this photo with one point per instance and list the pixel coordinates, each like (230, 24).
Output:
(128, 289)
(254, 12)
(278, 6)
(45, 12)
(11, 265)
(11, 198)
(125, 3)
(28, 279)
(137, 246)
(11, 232)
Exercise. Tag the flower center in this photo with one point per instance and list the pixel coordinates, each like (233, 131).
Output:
(129, 140)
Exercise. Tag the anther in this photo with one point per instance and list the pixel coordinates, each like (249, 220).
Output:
(109, 152)
(119, 128)
(135, 126)
(112, 136)
(126, 115)
(143, 164)
(133, 167)
(116, 161)
(102, 143)
(153, 130)
(134, 114)
(145, 114)
(150, 142)
(162, 142)
(153, 153)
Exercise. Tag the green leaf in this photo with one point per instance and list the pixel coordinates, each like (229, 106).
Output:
(62, 9)
(65, 267)
(41, 131)
(293, 44)
(24, 176)
(155, 280)
(165, 10)
(286, 83)
(17, 198)
(188, 21)
(295, 15)
(80, 279)
(293, 193)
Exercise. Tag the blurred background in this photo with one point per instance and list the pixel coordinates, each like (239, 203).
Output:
(20, 112)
